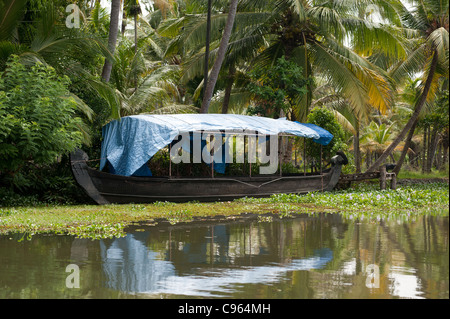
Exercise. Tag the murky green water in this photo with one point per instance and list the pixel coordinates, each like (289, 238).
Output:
(324, 256)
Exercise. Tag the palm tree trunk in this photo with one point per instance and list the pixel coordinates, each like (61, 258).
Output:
(424, 152)
(135, 35)
(220, 57)
(124, 22)
(432, 148)
(112, 40)
(229, 87)
(405, 149)
(444, 156)
(356, 148)
(439, 156)
(208, 38)
(419, 106)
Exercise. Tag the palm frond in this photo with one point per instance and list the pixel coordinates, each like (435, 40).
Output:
(173, 108)
(439, 39)
(10, 13)
(340, 75)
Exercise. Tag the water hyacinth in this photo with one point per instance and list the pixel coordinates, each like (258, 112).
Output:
(369, 200)
(362, 202)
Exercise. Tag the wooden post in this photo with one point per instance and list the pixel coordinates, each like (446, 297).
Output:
(383, 177)
(320, 164)
(212, 156)
(394, 181)
(280, 140)
(248, 156)
(170, 161)
(304, 156)
(212, 168)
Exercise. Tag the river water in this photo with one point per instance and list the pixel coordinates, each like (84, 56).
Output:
(307, 257)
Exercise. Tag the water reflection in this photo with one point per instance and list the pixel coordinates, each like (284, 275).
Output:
(323, 256)
(131, 267)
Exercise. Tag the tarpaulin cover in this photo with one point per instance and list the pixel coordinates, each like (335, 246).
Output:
(325, 136)
(129, 143)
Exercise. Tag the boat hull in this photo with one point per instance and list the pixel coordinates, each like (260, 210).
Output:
(105, 188)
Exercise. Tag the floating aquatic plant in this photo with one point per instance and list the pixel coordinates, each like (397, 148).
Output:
(97, 231)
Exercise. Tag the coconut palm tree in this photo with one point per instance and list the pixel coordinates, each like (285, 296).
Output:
(426, 27)
(212, 79)
(188, 32)
(311, 33)
(112, 39)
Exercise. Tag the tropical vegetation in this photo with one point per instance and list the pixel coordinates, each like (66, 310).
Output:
(379, 68)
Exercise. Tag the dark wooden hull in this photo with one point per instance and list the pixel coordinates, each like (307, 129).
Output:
(105, 188)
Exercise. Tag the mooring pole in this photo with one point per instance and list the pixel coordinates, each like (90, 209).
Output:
(212, 155)
(304, 156)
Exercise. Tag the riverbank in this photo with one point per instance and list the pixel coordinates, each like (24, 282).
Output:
(360, 201)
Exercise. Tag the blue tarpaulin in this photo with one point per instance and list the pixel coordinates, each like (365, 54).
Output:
(129, 143)
(325, 136)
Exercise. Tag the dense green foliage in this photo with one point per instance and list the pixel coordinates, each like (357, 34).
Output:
(324, 118)
(38, 123)
(276, 88)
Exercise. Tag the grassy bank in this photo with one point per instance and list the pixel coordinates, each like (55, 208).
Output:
(361, 201)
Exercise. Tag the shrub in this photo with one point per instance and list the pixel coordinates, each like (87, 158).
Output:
(37, 118)
(324, 118)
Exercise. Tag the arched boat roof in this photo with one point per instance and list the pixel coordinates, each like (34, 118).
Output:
(130, 142)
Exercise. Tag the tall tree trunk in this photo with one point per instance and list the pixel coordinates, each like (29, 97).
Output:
(208, 39)
(424, 152)
(124, 22)
(444, 151)
(356, 149)
(220, 57)
(112, 40)
(135, 35)
(419, 106)
(444, 157)
(135, 51)
(428, 149)
(405, 149)
(368, 159)
(432, 148)
(229, 87)
(439, 157)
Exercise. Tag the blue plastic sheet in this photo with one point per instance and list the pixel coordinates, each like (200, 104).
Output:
(325, 136)
(129, 143)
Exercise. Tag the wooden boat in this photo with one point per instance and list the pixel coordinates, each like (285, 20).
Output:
(106, 188)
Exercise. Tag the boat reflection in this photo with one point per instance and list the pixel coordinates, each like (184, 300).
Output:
(132, 267)
(207, 260)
